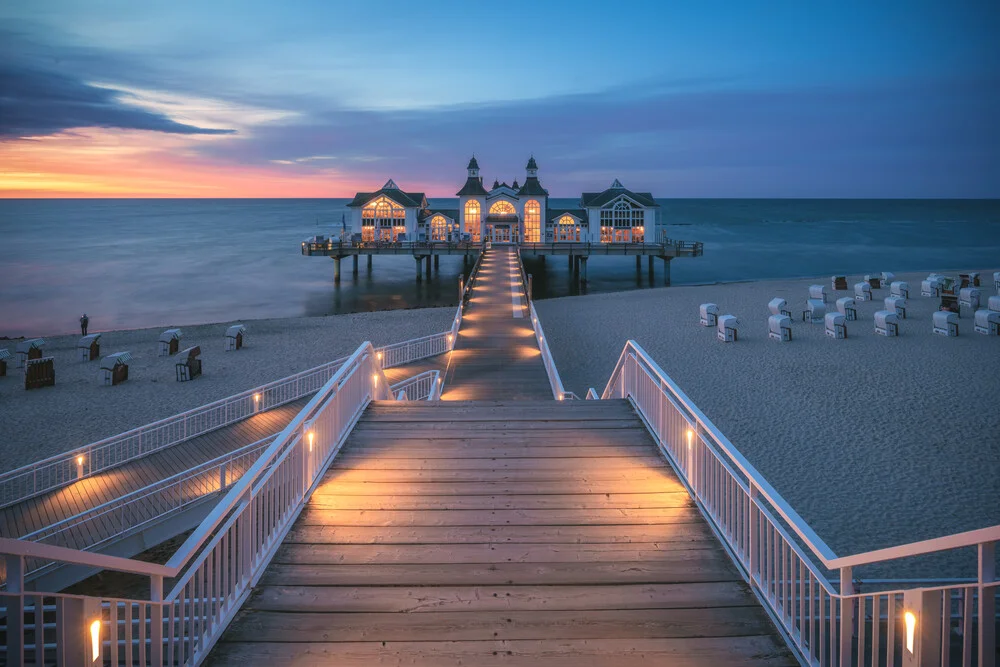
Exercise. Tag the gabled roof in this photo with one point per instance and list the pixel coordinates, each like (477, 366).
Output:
(597, 199)
(531, 163)
(392, 191)
(554, 214)
(533, 187)
(473, 164)
(451, 213)
(473, 186)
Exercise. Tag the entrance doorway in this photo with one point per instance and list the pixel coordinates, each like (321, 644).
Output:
(502, 234)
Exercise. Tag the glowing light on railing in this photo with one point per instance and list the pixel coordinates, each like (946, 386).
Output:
(374, 378)
(911, 626)
(79, 460)
(256, 398)
(379, 355)
(95, 640)
(310, 436)
(690, 436)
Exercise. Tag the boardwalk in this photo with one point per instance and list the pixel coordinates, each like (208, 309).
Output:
(496, 356)
(486, 532)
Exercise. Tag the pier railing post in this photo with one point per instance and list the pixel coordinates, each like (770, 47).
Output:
(987, 604)
(530, 293)
(846, 617)
(754, 540)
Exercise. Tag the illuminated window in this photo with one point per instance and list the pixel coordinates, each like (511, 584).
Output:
(502, 208)
(624, 222)
(472, 219)
(439, 228)
(532, 221)
(382, 219)
(567, 229)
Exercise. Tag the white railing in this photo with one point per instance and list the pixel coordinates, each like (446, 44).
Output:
(555, 382)
(63, 469)
(219, 562)
(784, 561)
(421, 387)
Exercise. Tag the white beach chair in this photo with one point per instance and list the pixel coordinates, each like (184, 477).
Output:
(996, 281)
(838, 283)
(886, 323)
(4, 356)
(114, 368)
(987, 322)
(862, 291)
(969, 297)
(887, 277)
(709, 314)
(815, 311)
(89, 347)
(727, 328)
(236, 337)
(170, 342)
(847, 308)
(900, 289)
(945, 323)
(930, 287)
(993, 303)
(874, 280)
(779, 328)
(778, 306)
(897, 305)
(28, 349)
(817, 292)
(836, 325)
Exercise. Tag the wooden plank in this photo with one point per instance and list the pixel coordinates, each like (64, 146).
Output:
(442, 426)
(528, 476)
(268, 626)
(498, 452)
(444, 517)
(579, 501)
(335, 487)
(565, 463)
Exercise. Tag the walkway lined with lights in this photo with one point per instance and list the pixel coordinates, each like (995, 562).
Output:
(496, 356)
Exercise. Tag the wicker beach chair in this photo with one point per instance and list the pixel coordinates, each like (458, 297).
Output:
(190, 366)
(945, 323)
(779, 328)
(836, 325)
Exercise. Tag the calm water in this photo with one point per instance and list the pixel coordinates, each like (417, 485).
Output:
(138, 263)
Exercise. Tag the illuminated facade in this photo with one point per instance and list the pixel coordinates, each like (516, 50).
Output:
(505, 214)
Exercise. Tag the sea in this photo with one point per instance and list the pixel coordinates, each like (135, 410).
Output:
(132, 263)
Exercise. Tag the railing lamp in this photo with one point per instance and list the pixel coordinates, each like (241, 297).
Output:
(311, 435)
(690, 437)
(95, 640)
(911, 628)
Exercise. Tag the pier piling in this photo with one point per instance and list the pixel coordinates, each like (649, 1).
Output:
(336, 269)
(428, 267)
(419, 274)
(583, 268)
(354, 269)
(666, 271)
(369, 263)
(437, 261)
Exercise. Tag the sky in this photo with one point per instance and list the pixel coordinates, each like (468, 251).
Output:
(323, 98)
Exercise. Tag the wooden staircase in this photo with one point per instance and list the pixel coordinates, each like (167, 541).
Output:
(465, 533)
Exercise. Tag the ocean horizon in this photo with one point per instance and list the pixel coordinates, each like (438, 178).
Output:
(134, 263)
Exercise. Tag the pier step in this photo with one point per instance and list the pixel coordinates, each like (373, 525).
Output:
(508, 532)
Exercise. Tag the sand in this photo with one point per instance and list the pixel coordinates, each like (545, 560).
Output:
(875, 441)
(79, 410)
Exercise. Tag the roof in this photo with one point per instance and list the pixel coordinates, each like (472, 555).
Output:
(109, 362)
(533, 187)
(473, 186)
(556, 213)
(473, 164)
(446, 212)
(531, 163)
(392, 191)
(594, 199)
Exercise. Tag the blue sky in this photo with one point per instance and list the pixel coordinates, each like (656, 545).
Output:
(837, 99)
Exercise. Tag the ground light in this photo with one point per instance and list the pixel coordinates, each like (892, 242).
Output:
(95, 640)
(911, 626)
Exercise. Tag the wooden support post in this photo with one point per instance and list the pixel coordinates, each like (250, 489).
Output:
(369, 263)
(666, 271)
(541, 258)
(570, 264)
(650, 265)
(583, 268)
(437, 261)
(355, 267)
(923, 647)
(987, 605)
(336, 269)
(428, 267)
(155, 620)
(847, 618)
(638, 263)
(419, 273)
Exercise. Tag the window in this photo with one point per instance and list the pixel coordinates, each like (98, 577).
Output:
(623, 223)
(567, 229)
(439, 228)
(472, 219)
(382, 219)
(502, 208)
(532, 221)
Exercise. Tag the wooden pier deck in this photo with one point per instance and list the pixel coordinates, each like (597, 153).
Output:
(488, 532)
(495, 356)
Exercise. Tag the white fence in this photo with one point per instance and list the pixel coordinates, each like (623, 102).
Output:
(555, 382)
(424, 386)
(68, 467)
(219, 562)
(824, 622)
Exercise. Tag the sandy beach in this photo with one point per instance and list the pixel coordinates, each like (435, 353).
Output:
(875, 441)
(79, 410)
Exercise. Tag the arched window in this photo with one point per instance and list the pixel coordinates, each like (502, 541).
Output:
(623, 222)
(439, 228)
(502, 207)
(382, 219)
(532, 221)
(567, 229)
(472, 219)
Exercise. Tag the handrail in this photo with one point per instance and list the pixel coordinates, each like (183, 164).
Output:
(822, 622)
(555, 382)
(419, 387)
(68, 467)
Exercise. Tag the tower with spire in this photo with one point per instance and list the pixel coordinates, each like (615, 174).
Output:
(534, 201)
(472, 202)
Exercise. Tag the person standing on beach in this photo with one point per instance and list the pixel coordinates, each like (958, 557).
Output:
(84, 321)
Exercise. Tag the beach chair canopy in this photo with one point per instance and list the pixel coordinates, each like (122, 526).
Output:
(88, 339)
(888, 277)
(833, 319)
(815, 306)
(777, 305)
(775, 323)
(816, 292)
(993, 303)
(235, 329)
(30, 344)
(884, 317)
(844, 303)
(862, 287)
(969, 294)
(109, 362)
(942, 318)
(169, 335)
(4, 353)
(996, 276)
(707, 309)
(728, 322)
(930, 285)
(983, 318)
(899, 287)
(894, 302)
(192, 352)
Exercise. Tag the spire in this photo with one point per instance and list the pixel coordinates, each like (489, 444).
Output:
(496, 184)
(515, 186)
(472, 163)
(532, 167)
(617, 185)
(390, 185)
